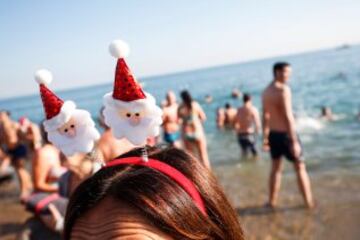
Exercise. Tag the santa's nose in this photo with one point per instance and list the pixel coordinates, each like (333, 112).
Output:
(134, 120)
(71, 133)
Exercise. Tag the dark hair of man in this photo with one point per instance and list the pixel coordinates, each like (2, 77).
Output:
(159, 198)
(246, 97)
(279, 66)
(227, 105)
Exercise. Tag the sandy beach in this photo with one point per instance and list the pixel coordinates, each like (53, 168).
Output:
(337, 214)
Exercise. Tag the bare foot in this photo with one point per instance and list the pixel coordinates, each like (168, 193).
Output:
(311, 205)
(24, 196)
(269, 205)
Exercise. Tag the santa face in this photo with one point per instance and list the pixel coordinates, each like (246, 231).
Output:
(133, 117)
(77, 135)
(135, 120)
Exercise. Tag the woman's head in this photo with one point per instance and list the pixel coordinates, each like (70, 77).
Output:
(186, 98)
(142, 201)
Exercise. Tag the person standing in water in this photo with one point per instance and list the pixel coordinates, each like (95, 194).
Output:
(192, 116)
(171, 121)
(229, 116)
(247, 126)
(280, 136)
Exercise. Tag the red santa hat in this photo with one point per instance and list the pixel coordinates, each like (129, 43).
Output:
(126, 88)
(57, 111)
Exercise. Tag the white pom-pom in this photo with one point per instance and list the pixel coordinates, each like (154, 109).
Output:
(119, 49)
(43, 76)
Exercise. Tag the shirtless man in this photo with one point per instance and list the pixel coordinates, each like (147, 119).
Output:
(229, 116)
(110, 147)
(171, 120)
(9, 134)
(280, 135)
(247, 126)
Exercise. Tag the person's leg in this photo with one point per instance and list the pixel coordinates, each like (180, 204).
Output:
(177, 144)
(252, 148)
(244, 150)
(4, 164)
(275, 181)
(24, 178)
(202, 148)
(304, 183)
(188, 146)
(243, 146)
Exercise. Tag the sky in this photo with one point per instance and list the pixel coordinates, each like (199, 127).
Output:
(71, 38)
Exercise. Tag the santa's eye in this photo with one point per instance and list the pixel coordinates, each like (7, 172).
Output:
(128, 115)
(137, 114)
(66, 130)
(72, 126)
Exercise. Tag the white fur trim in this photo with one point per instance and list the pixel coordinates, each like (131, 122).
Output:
(43, 76)
(119, 49)
(64, 116)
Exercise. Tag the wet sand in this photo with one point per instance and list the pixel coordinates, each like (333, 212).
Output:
(337, 194)
(337, 215)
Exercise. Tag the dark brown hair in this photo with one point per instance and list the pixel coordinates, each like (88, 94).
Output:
(160, 199)
(187, 99)
(246, 97)
(279, 66)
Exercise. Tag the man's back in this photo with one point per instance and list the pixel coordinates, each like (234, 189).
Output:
(230, 115)
(274, 102)
(246, 119)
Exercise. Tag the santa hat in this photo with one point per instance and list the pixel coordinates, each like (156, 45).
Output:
(57, 111)
(126, 88)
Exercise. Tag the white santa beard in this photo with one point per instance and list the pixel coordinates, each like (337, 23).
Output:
(83, 142)
(137, 135)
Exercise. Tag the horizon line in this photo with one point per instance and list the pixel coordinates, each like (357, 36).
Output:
(166, 74)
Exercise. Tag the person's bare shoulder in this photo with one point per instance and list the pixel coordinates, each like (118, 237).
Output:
(266, 91)
(254, 110)
(284, 92)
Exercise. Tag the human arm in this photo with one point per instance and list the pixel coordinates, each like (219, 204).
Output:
(36, 138)
(257, 120)
(40, 171)
(290, 120)
(265, 124)
(201, 113)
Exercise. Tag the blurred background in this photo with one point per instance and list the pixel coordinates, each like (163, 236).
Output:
(209, 48)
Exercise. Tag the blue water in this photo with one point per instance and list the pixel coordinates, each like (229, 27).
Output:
(330, 77)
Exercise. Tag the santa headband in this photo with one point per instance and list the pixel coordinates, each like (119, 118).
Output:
(127, 94)
(57, 112)
(167, 170)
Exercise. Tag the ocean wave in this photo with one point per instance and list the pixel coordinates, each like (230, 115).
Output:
(306, 124)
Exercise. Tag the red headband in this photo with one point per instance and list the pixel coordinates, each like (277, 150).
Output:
(169, 171)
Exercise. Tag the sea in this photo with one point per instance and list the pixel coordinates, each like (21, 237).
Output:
(323, 78)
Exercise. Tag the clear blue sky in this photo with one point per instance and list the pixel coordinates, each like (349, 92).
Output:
(71, 38)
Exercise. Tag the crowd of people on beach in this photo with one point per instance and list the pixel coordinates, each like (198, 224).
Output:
(146, 198)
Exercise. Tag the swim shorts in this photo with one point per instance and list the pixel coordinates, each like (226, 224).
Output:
(280, 145)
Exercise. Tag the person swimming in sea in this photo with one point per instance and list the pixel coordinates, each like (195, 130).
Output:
(171, 124)
(326, 114)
